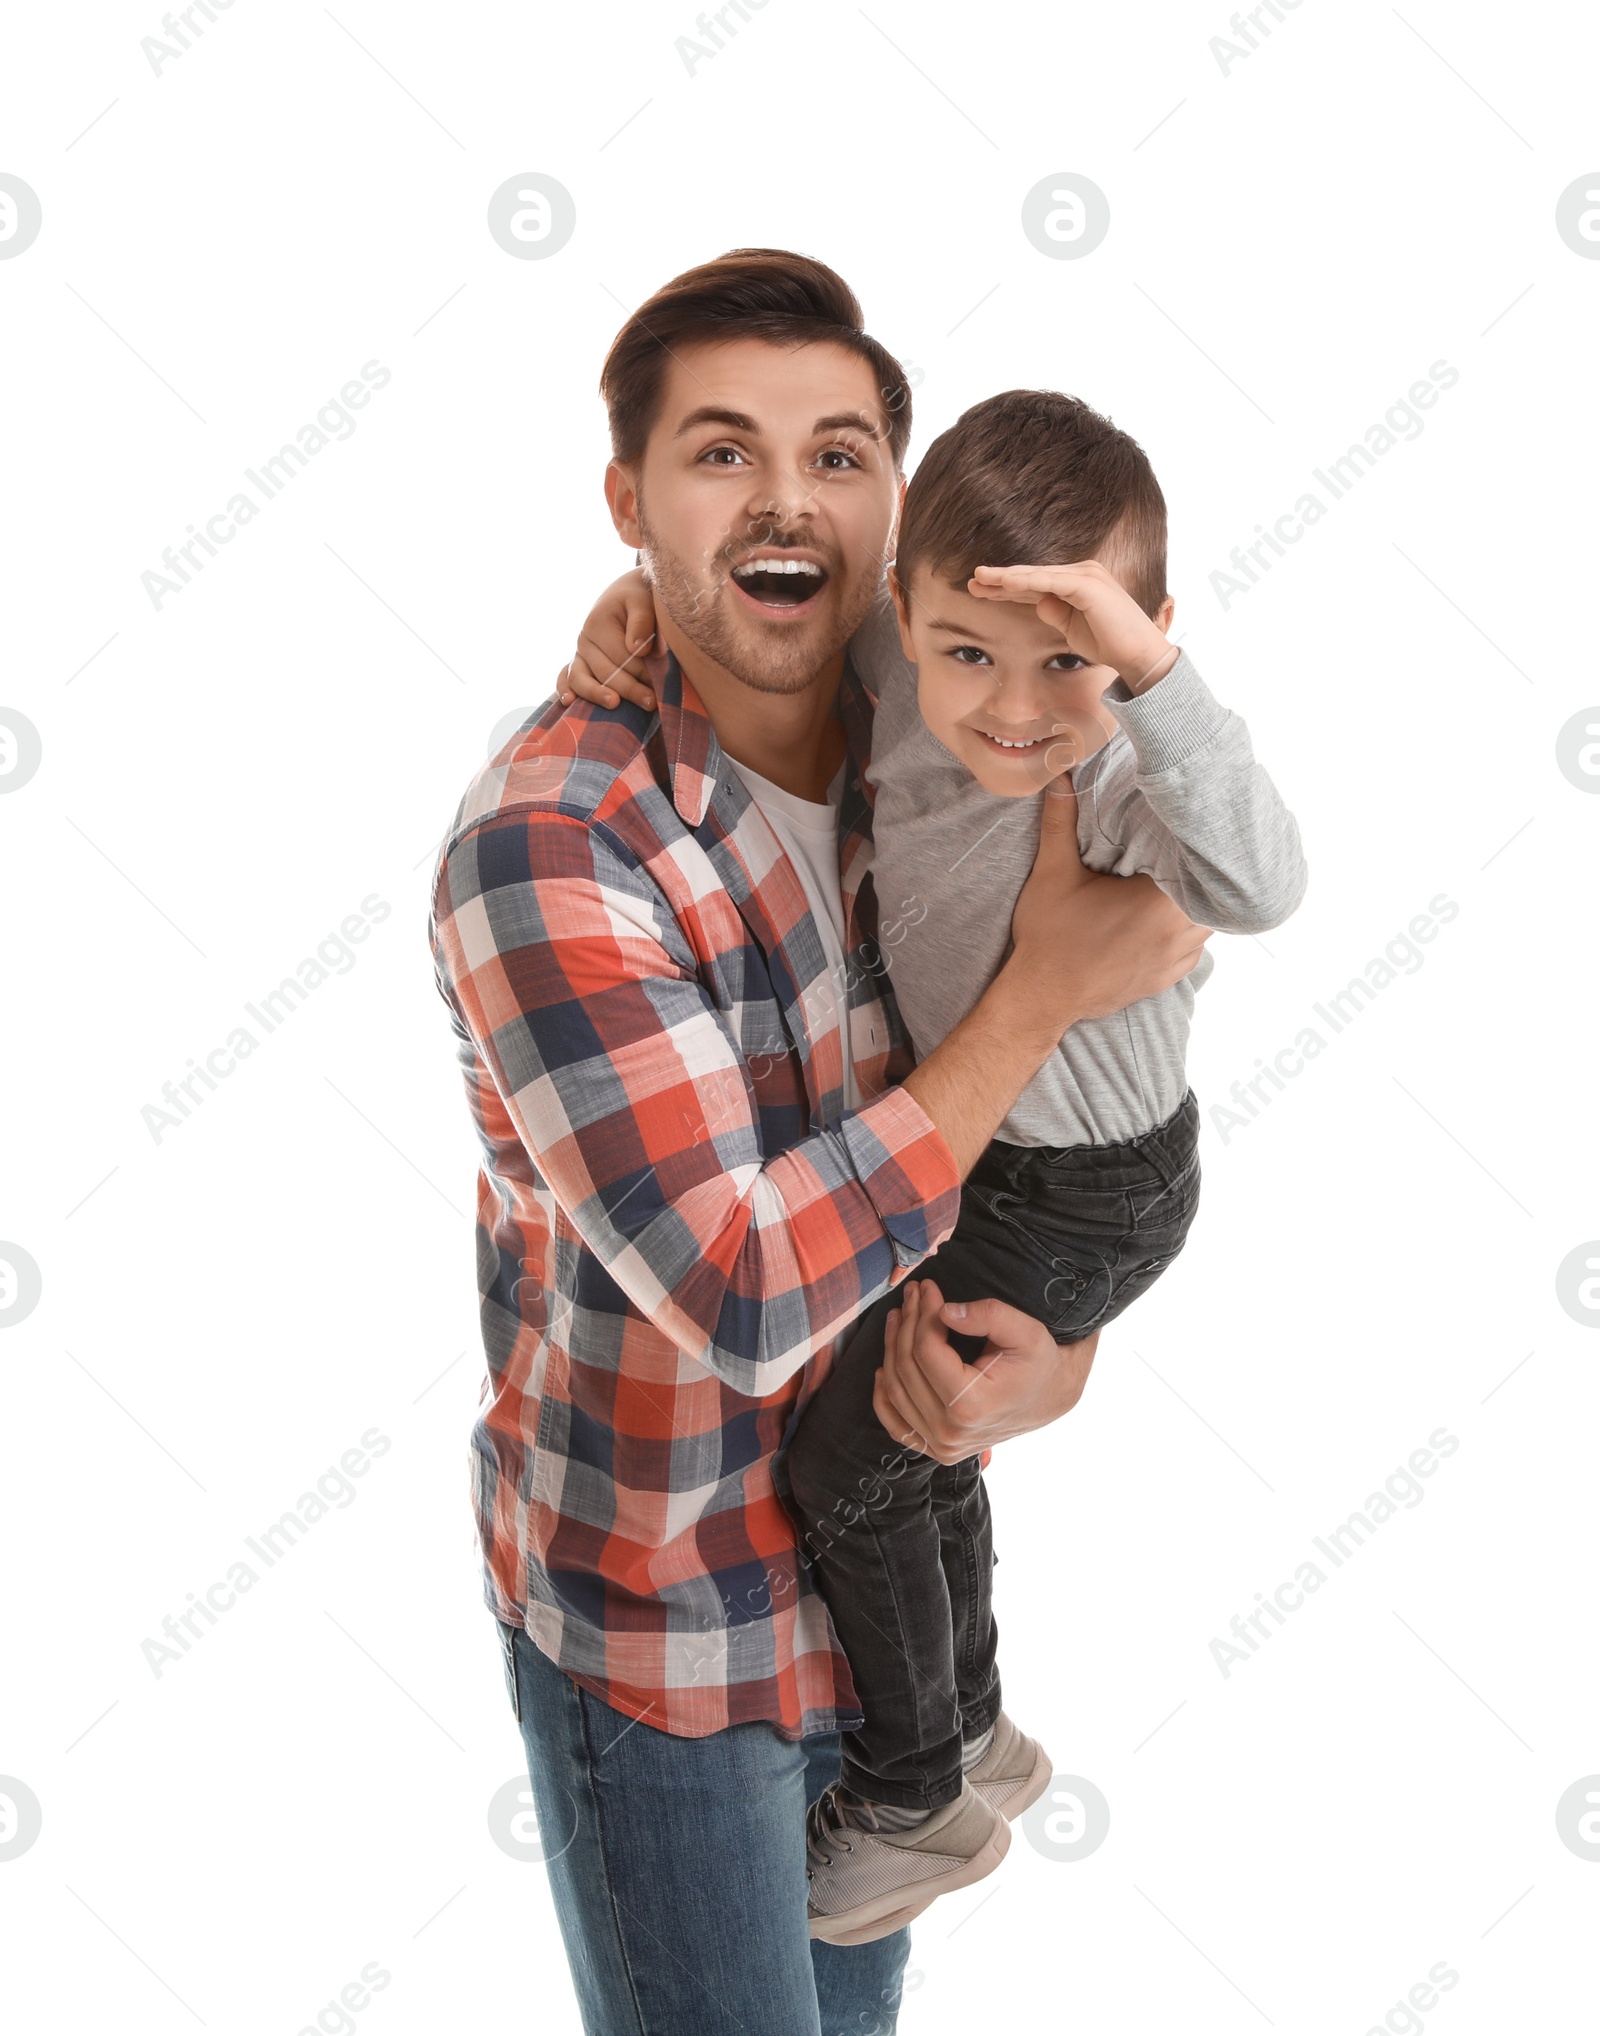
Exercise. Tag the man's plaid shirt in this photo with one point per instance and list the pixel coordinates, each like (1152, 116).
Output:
(675, 1215)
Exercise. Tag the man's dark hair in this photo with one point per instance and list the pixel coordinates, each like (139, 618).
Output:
(749, 293)
(1032, 477)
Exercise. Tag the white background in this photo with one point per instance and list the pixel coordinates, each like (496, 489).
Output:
(224, 779)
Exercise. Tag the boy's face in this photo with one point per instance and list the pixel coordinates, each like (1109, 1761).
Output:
(999, 688)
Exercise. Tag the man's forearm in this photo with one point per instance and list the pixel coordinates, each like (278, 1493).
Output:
(975, 1074)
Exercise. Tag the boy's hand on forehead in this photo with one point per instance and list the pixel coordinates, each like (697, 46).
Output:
(1099, 618)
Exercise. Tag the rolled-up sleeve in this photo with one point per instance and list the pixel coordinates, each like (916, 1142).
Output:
(563, 964)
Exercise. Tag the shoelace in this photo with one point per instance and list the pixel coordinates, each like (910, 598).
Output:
(825, 1833)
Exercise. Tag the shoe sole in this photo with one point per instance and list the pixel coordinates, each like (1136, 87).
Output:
(886, 1926)
(1024, 1799)
(887, 1913)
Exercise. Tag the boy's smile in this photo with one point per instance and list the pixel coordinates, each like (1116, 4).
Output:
(999, 688)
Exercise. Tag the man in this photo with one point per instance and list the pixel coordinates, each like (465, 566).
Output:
(706, 1150)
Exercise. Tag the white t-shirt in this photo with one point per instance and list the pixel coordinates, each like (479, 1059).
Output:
(808, 834)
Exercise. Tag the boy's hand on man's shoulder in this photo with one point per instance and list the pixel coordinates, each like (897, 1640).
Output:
(617, 657)
(1099, 618)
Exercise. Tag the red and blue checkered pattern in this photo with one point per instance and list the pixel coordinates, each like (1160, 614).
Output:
(676, 1217)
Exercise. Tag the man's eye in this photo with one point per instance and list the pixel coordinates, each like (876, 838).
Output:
(722, 454)
(837, 452)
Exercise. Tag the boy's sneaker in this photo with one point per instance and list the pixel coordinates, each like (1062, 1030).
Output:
(865, 1884)
(1010, 1778)
(1014, 1773)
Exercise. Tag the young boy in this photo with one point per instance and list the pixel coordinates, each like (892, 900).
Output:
(991, 683)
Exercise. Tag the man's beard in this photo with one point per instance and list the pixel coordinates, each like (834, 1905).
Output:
(777, 658)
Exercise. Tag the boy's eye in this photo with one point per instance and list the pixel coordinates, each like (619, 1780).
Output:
(1067, 661)
(970, 654)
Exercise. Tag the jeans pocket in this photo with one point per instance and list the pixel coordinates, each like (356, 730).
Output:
(508, 1661)
(1169, 1204)
(1083, 1220)
(1077, 1296)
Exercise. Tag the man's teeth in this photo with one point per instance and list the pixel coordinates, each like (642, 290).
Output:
(776, 565)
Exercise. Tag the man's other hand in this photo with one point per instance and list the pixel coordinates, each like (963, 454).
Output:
(931, 1402)
(1087, 944)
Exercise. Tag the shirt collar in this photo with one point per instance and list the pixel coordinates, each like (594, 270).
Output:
(690, 743)
(693, 753)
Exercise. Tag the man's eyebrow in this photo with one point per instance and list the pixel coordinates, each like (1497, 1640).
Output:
(712, 413)
(736, 420)
(848, 420)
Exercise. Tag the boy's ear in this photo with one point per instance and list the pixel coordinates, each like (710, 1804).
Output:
(622, 499)
(1164, 614)
(902, 614)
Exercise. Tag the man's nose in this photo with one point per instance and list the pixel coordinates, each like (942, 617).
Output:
(781, 495)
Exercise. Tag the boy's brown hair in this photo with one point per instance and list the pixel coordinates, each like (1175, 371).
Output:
(1032, 477)
(749, 293)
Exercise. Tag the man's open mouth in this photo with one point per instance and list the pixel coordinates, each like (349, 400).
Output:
(778, 584)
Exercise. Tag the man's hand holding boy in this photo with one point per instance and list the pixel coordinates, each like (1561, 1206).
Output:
(932, 1402)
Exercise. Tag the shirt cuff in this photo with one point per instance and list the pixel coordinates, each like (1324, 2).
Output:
(907, 1170)
(1171, 723)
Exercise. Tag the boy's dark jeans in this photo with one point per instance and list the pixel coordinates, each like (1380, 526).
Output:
(900, 1546)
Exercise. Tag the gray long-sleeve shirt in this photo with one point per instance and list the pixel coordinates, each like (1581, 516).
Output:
(1176, 795)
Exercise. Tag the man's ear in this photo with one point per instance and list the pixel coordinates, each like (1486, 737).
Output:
(622, 499)
(902, 613)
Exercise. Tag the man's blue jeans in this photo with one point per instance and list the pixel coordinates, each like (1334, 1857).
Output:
(678, 1868)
